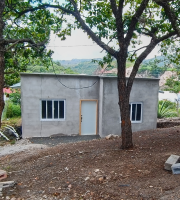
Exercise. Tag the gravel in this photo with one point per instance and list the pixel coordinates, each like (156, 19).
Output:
(19, 146)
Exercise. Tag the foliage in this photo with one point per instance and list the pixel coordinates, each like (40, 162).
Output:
(172, 85)
(13, 110)
(166, 109)
(53, 68)
(26, 35)
(15, 97)
(152, 68)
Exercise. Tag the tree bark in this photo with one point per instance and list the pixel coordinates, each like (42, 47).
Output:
(2, 63)
(124, 94)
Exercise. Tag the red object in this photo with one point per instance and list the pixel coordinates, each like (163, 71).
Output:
(3, 174)
(7, 90)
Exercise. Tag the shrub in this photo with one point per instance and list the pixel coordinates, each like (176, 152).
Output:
(13, 110)
(166, 109)
(15, 97)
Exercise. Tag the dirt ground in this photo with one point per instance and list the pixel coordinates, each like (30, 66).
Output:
(97, 169)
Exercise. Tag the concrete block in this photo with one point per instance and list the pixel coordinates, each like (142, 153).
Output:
(3, 174)
(7, 184)
(176, 168)
(173, 159)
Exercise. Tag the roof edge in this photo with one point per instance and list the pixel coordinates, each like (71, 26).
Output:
(80, 75)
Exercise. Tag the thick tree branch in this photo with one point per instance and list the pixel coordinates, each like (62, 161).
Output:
(135, 20)
(114, 7)
(143, 55)
(171, 15)
(120, 24)
(168, 35)
(42, 7)
(94, 37)
(77, 15)
(134, 51)
(18, 41)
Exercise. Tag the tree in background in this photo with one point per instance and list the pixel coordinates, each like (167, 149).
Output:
(23, 36)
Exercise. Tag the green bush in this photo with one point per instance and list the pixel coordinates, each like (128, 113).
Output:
(166, 109)
(15, 97)
(13, 110)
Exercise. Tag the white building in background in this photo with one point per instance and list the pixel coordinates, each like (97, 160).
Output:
(166, 95)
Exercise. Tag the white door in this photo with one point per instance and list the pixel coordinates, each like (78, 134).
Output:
(88, 117)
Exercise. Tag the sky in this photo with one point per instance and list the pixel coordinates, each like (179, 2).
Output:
(79, 46)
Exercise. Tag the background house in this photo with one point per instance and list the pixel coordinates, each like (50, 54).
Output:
(170, 96)
(78, 104)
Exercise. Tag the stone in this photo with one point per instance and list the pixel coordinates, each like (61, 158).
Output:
(111, 136)
(176, 168)
(101, 179)
(173, 159)
(96, 170)
(3, 174)
(87, 178)
(7, 184)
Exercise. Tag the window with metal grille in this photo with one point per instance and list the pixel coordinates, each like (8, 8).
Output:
(52, 109)
(135, 109)
(135, 112)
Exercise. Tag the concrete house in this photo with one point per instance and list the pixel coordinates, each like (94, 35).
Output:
(83, 105)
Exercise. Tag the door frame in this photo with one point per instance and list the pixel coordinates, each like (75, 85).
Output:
(80, 113)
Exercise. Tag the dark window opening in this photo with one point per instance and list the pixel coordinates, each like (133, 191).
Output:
(52, 109)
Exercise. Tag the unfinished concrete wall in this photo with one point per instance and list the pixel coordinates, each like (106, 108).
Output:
(36, 87)
(43, 86)
(144, 91)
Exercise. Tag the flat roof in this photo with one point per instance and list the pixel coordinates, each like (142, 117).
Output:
(80, 75)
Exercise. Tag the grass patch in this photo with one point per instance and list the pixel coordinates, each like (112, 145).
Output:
(14, 121)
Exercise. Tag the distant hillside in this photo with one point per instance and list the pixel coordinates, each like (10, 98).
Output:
(56, 68)
(86, 66)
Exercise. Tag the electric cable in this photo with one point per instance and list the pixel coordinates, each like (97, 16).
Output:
(73, 88)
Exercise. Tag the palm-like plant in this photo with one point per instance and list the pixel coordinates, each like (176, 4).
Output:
(166, 109)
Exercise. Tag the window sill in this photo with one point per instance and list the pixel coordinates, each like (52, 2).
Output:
(51, 120)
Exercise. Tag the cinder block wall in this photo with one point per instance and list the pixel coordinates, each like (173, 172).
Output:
(44, 86)
(35, 87)
(144, 90)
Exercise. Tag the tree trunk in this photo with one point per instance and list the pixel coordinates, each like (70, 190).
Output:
(2, 49)
(124, 94)
(126, 130)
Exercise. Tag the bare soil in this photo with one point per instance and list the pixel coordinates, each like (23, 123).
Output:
(97, 169)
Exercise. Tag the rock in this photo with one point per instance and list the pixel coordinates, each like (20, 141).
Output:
(69, 186)
(111, 136)
(66, 168)
(101, 179)
(96, 170)
(87, 178)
